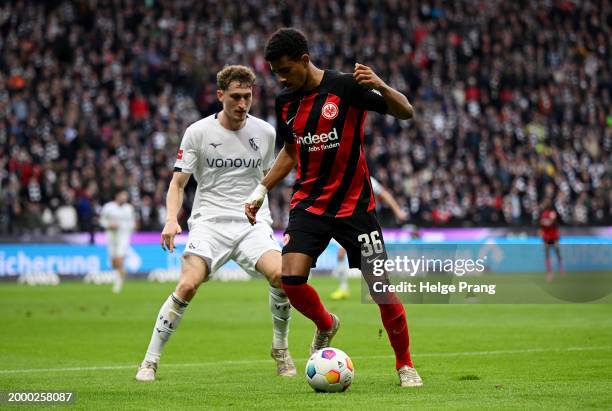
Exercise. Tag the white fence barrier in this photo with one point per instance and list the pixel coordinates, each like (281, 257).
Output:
(101, 277)
(39, 279)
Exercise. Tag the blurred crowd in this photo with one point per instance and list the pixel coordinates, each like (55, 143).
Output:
(513, 102)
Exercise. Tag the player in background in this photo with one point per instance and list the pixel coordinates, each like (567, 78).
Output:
(227, 153)
(320, 116)
(549, 231)
(341, 271)
(119, 221)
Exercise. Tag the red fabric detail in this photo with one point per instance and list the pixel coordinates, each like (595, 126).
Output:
(394, 319)
(306, 300)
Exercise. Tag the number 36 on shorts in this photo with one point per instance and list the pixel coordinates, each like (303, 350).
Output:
(371, 243)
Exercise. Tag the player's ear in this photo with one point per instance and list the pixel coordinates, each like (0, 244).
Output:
(305, 59)
(220, 95)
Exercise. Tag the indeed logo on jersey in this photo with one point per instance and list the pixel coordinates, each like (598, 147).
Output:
(323, 138)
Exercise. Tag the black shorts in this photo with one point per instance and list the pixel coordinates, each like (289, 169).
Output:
(310, 234)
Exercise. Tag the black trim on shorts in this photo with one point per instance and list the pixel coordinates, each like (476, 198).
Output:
(294, 279)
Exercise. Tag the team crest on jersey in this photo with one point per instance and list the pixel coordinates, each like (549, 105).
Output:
(330, 111)
(179, 156)
(253, 144)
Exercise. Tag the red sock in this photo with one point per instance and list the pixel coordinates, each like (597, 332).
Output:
(394, 319)
(548, 265)
(306, 300)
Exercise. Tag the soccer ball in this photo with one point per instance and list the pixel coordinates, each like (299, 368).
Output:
(329, 370)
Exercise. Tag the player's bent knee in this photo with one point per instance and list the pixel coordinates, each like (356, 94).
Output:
(275, 279)
(117, 262)
(296, 264)
(188, 284)
(193, 274)
(275, 276)
(186, 289)
(269, 264)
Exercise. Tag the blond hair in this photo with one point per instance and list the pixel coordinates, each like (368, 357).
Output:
(242, 74)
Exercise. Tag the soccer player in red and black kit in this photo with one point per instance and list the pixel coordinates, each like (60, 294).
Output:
(320, 116)
(549, 231)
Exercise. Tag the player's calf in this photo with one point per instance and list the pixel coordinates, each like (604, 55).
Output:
(280, 308)
(167, 322)
(194, 272)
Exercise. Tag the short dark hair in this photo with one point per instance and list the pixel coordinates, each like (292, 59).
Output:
(288, 42)
(242, 74)
(120, 190)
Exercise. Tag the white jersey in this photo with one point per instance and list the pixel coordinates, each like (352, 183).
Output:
(377, 188)
(227, 165)
(120, 216)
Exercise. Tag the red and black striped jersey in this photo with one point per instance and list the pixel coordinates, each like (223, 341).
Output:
(549, 220)
(327, 125)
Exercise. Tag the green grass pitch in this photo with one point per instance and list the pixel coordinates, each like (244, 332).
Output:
(82, 338)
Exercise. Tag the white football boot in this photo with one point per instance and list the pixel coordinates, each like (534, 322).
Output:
(146, 371)
(284, 363)
(409, 377)
(323, 339)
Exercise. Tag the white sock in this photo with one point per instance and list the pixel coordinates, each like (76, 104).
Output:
(118, 284)
(341, 271)
(167, 322)
(281, 314)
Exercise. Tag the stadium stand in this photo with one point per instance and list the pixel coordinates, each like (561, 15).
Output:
(513, 103)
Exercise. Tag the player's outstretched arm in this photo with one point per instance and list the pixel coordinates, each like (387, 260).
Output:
(174, 201)
(284, 163)
(397, 103)
(104, 220)
(400, 215)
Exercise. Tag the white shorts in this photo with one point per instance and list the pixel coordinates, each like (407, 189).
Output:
(218, 242)
(118, 244)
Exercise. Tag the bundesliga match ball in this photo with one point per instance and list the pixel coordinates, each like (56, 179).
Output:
(329, 370)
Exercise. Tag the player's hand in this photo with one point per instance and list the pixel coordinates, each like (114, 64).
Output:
(365, 76)
(171, 229)
(254, 202)
(401, 216)
(251, 211)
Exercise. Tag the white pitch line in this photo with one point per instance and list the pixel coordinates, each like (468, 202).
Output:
(360, 357)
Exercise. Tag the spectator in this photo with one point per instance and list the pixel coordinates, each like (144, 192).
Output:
(512, 100)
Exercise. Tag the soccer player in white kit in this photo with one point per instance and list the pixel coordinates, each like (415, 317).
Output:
(228, 154)
(119, 220)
